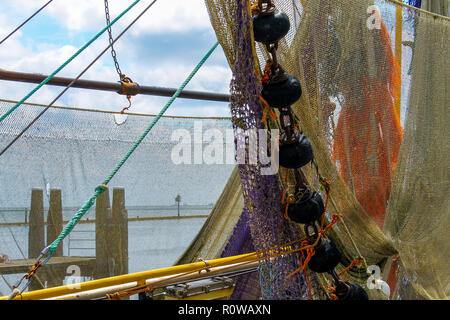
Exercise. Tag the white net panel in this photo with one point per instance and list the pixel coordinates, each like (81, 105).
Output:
(74, 150)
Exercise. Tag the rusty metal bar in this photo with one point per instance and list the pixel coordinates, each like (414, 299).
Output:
(111, 86)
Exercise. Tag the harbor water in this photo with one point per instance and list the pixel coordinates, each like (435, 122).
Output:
(152, 244)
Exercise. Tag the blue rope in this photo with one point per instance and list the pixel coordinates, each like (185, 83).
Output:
(101, 188)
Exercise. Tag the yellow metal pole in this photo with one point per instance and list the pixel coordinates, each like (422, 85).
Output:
(398, 50)
(126, 278)
(217, 294)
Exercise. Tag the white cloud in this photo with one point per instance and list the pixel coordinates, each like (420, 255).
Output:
(164, 16)
(174, 16)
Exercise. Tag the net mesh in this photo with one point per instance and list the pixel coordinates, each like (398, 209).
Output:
(74, 150)
(377, 125)
(419, 206)
(374, 76)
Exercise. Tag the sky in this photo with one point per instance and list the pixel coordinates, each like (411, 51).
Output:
(161, 49)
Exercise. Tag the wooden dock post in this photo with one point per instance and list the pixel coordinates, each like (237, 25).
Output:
(111, 235)
(36, 231)
(103, 225)
(120, 234)
(54, 228)
(55, 220)
(36, 239)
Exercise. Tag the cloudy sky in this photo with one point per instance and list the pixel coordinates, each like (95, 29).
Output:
(161, 49)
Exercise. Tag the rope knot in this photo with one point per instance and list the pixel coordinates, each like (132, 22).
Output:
(101, 188)
(325, 183)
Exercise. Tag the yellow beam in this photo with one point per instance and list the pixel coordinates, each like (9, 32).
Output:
(217, 294)
(127, 278)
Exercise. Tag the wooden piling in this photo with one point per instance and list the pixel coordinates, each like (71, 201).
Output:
(55, 220)
(119, 239)
(103, 225)
(54, 228)
(36, 239)
(36, 232)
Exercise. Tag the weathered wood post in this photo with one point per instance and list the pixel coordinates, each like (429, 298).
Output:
(119, 237)
(119, 234)
(55, 220)
(36, 232)
(36, 239)
(103, 225)
(54, 228)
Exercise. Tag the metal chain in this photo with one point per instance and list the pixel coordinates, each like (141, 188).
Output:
(113, 52)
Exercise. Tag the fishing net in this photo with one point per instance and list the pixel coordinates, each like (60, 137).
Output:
(419, 206)
(360, 100)
(74, 150)
(437, 6)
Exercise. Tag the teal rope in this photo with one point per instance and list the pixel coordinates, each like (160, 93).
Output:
(101, 188)
(67, 62)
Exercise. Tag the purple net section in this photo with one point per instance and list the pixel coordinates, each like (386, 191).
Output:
(262, 225)
(247, 285)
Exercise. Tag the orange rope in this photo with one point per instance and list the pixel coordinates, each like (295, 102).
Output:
(310, 248)
(355, 262)
(332, 291)
(334, 219)
(264, 79)
(267, 69)
(267, 108)
(254, 8)
(304, 260)
(143, 288)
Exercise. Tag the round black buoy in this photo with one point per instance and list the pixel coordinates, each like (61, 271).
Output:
(270, 28)
(350, 292)
(296, 155)
(309, 209)
(282, 94)
(326, 258)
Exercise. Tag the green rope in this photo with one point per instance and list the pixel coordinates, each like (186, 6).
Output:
(101, 188)
(67, 62)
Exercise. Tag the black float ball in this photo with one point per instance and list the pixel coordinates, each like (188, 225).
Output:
(356, 293)
(326, 258)
(297, 154)
(282, 94)
(307, 210)
(270, 28)
(351, 292)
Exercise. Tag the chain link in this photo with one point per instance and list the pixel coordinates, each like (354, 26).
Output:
(113, 52)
